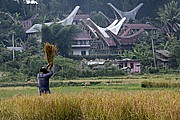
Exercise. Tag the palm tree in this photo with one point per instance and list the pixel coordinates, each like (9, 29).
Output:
(170, 17)
(170, 13)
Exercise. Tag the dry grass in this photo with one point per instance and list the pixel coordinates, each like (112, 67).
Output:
(144, 105)
(50, 51)
(16, 88)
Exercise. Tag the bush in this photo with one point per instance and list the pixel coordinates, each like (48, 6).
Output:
(14, 76)
(153, 70)
(148, 84)
(104, 72)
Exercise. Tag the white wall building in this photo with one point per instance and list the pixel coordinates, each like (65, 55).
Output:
(81, 44)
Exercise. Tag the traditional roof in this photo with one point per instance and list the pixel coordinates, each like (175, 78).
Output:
(78, 16)
(162, 59)
(129, 14)
(131, 39)
(83, 36)
(114, 27)
(34, 29)
(67, 21)
(141, 26)
(164, 53)
(28, 23)
(81, 16)
(127, 40)
(88, 28)
(108, 41)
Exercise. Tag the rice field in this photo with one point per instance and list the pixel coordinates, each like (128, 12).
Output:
(126, 100)
(94, 105)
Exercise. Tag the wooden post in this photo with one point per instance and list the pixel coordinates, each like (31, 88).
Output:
(13, 45)
(153, 50)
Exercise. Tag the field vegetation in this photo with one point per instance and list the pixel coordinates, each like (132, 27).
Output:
(117, 83)
(93, 105)
(114, 98)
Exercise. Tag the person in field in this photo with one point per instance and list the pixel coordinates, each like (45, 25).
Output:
(43, 80)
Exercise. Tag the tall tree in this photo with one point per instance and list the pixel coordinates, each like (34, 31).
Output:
(47, 34)
(62, 36)
(65, 36)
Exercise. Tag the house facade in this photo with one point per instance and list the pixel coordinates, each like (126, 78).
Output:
(132, 64)
(81, 44)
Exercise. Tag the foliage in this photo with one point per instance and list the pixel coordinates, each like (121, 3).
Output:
(61, 36)
(31, 65)
(5, 55)
(143, 51)
(153, 70)
(93, 57)
(66, 68)
(98, 19)
(170, 12)
(14, 76)
(175, 50)
(29, 61)
(127, 54)
(170, 17)
(47, 34)
(103, 72)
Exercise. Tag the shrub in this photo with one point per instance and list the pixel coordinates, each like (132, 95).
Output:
(148, 84)
(153, 70)
(14, 76)
(103, 72)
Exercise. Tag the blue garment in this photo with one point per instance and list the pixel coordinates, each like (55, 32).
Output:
(43, 80)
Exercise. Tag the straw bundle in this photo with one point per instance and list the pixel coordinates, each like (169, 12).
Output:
(50, 51)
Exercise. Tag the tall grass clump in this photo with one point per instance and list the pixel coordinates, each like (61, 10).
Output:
(142, 105)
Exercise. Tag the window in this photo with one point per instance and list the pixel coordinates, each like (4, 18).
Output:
(121, 65)
(83, 52)
(125, 64)
(132, 65)
(83, 42)
(78, 42)
(87, 42)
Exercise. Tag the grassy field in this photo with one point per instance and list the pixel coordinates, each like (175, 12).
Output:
(107, 84)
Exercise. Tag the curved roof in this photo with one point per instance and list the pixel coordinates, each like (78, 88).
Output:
(67, 21)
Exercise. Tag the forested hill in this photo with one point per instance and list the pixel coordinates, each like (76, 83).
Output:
(55, 8)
